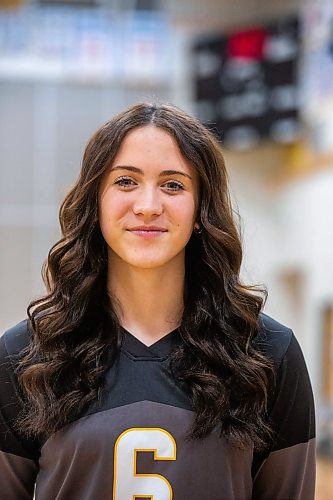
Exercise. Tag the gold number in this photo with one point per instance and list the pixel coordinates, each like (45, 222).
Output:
(127, 483)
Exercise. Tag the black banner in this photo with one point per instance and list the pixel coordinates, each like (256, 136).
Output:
(246, 84)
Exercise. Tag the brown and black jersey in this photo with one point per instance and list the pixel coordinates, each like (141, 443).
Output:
(133, 445)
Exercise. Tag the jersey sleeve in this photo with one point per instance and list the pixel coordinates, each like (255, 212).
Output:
(288, 469)
(18, 456)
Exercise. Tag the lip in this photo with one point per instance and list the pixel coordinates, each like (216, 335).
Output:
(147, 228)
(147, 231)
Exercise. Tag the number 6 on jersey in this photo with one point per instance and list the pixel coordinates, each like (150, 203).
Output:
(127, 483)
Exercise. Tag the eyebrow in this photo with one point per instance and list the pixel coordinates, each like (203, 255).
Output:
(137, 170)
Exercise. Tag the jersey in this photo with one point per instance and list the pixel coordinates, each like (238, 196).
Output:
(134, 444)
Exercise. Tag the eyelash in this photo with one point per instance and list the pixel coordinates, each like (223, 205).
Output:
(177, 186)
(127, 183)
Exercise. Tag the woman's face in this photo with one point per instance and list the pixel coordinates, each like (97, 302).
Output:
(148, 200)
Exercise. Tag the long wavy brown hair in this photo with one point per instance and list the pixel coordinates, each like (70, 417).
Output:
(75, 332)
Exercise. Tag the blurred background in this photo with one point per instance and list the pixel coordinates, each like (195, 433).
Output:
(259, 73)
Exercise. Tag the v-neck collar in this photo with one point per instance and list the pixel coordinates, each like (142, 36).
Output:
(158, 350)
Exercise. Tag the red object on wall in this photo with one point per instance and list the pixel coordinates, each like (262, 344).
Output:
(247, 44)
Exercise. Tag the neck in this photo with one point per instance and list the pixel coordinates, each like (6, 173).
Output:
(149, 302)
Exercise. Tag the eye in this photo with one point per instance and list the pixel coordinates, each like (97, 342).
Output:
(125, 182)
(173, 186)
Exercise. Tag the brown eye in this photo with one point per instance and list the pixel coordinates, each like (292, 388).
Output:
(173, 186)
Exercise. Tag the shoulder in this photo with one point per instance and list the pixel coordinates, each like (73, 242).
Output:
(290, 405)
(273, 339)
(293, 393)
(279, 343)
(12, 344)
(15, 340)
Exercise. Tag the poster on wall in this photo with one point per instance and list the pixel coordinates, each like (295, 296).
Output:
(67, 43)
(246, 84)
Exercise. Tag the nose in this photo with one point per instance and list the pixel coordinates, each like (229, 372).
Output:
(148, 202)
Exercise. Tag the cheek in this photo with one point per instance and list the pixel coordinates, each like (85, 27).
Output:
(113, 207)
(184, 212)
(112, 210)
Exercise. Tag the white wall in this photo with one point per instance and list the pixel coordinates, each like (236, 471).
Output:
(305, 210)
(289, 231)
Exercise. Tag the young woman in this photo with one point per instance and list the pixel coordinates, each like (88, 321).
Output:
(148, 369)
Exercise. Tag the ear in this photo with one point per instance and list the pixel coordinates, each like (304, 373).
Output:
(197, 226)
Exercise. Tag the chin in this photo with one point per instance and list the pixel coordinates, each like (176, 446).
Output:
(152, 262)
(146, 260)
(148, 264)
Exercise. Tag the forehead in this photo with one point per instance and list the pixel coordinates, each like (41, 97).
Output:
(151, 145)
(140, 135)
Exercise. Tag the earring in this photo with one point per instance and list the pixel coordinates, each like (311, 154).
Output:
(197, 229)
